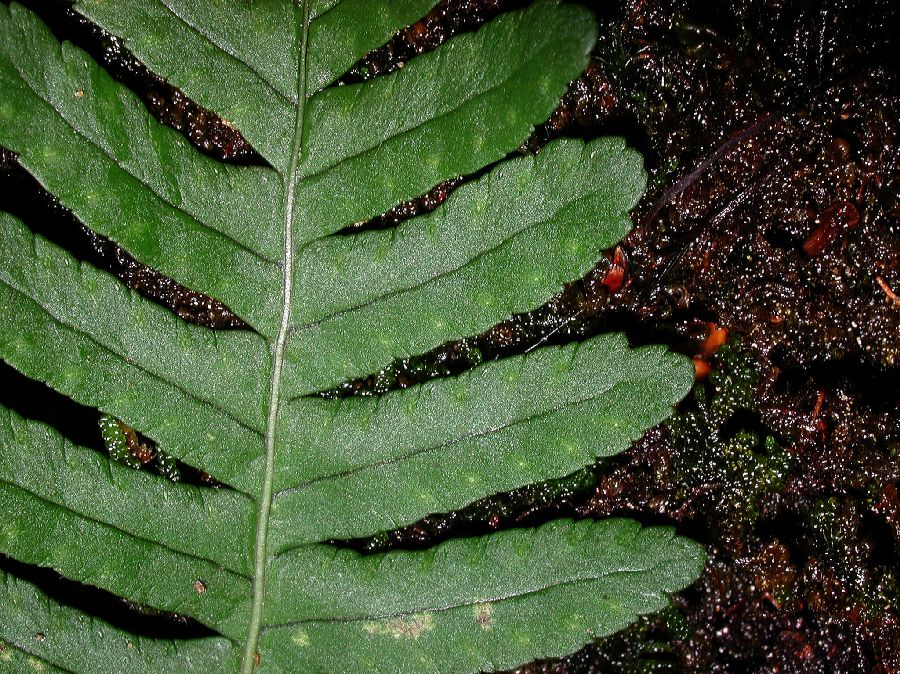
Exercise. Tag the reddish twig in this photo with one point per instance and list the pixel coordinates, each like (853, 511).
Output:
(891, 295)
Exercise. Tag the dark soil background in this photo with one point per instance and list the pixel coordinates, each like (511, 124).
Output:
(767, 247)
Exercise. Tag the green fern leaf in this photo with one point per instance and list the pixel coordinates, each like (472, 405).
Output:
(251, 561)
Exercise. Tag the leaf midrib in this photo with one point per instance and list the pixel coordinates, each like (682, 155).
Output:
(472, 602)
(415, 125)
(59, 503)
(127, 358)
(260, 559)
(38, 657)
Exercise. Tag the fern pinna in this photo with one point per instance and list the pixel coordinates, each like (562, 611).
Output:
(251, 560)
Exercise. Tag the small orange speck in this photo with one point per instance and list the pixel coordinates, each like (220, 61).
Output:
(200, 586)
(701, 368)
(79, 93)
(617, 270)
(891, 295)
(717, 337)
(820, 398)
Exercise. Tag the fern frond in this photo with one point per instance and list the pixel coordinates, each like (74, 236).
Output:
(250, 560)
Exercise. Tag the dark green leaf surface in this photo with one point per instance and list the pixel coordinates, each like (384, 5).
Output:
(399, 612)
(40, 635)
(505, 425)
(477, 263)
(433, 120)
(37, 460)
(256, 80)
(84, 334)
(248, 560)
(87, 140)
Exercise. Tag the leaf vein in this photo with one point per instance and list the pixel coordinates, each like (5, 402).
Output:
(417, 125)
(222, 48)
(436, 277)
(150, 188)
(62, 506)
(452, 441)
(463, 604)
(130, 361)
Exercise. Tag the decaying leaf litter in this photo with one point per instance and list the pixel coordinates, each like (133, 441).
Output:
(750, 243)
